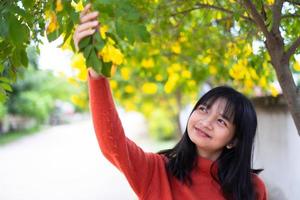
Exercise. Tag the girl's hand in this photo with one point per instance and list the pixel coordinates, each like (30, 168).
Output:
(88, 26)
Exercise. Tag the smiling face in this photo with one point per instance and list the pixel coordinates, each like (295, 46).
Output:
(210, 129)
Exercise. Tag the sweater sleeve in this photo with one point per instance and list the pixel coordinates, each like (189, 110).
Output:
(130, 159)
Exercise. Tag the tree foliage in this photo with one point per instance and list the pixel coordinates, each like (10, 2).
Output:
(164, 50)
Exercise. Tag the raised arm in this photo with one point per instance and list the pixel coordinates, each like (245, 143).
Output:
(115, 146)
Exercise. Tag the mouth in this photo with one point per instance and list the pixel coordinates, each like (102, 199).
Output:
(202, 133)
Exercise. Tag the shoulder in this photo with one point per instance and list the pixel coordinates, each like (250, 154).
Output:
(260, 186)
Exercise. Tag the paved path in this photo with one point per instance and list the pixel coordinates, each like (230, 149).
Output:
(61, 163)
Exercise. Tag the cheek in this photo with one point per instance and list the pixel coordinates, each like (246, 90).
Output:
(226, 135)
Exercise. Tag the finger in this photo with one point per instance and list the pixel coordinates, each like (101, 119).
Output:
(87, 25)
(85, 10)
(84, 34)
(89, 17)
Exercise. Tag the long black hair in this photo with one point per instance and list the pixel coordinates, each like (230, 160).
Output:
(235, 164)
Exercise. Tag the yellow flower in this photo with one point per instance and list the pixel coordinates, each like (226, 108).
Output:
(73, 82)
(270, 2)
(82, 75)
(263, 82)
(248, 83)
(76, 100)
(237, 71)
(102, 30)
(218, 15)
(191, 83)
(67, 44)
(129, 89)
(176, 48)
(53, 25)
(113, 84)
(171, 83)
(212, 70)
(182, 37)
(248, 50)
(129, 106)
(253, 73)
(78, 61)
(113, 69)
(148, 63)
(274, 91)
(296, 66)
(59, 6)
(149, 88)
(209, 2)
(206, 60)
(77, 6)
(158, 77)
(125, 73)
(186, 74)
(176, 67)
(109, 53)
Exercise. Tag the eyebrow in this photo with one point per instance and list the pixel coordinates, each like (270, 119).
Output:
(224, 116)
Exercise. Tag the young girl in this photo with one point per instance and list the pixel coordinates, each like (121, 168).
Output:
(212, 160)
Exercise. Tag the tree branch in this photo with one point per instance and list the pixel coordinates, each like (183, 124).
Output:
(293, 48)
(277, 7)
(256, 17)
(198, 6)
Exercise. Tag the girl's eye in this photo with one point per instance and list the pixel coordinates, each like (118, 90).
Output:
(221, 121)
(202, 108)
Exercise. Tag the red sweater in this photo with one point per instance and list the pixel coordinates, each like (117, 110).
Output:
(146, 172)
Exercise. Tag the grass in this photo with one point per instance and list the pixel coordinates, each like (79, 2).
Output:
(16, 135)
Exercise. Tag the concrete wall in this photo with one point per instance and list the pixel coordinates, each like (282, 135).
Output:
(277, 150)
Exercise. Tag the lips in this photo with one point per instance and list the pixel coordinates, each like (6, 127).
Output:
(202, 133)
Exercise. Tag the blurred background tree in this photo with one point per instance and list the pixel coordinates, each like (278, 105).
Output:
(171, 47)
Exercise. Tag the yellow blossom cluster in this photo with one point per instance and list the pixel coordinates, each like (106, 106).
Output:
(176, 73)
(77, 6)
(148, 63)
(59, 6)
(110, 53)
(149, 88)
(78, 63)
(80, 100)
(52, 19)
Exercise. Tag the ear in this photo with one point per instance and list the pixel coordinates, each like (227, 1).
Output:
(232, 144)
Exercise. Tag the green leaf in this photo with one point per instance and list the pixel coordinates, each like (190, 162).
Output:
(53, 35)
(105, 2)
(94, 62)
(6, 87)
(28, 3)
(97, 37)
(87, 51)
(16, 58)
(84, 42)
(143, 34)
(2, 95)
(18, 32)
(106, 69)
(4, 79)
(1, 67)
(23, 57)
(3, 27)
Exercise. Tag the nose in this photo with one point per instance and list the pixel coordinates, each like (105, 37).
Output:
(207, 122)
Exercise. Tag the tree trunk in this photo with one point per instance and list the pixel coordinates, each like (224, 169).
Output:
(289, 89)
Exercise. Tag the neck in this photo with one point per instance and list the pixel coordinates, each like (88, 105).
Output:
(209, 155)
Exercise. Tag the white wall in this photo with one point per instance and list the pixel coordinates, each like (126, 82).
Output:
(277, 150)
